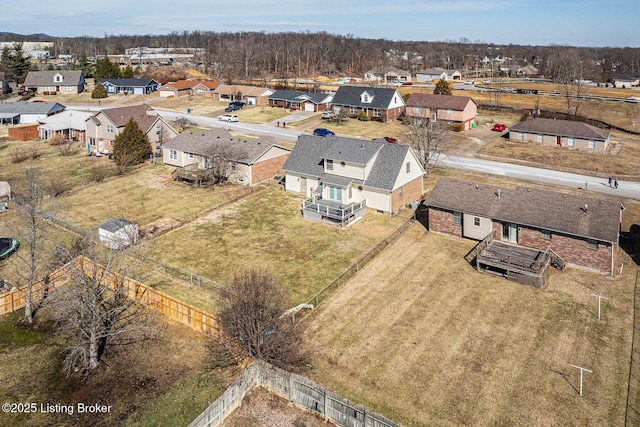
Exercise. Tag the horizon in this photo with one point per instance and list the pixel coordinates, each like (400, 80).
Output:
(493, 22)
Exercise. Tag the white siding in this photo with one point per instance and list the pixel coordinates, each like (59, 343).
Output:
(271, 153)
(473, 231)
(349, 170)
(415, 170)
(377, 199)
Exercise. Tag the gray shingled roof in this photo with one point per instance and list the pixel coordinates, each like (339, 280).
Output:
(427, 100)
(350, 96)
(549, 210)
(307, 158)
(23, 107)
(45, 78)
(130, 82)
(200, 143)
(294, 96)
(114, 225)
(562, 128)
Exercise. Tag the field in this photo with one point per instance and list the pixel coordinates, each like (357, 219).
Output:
(423, 339)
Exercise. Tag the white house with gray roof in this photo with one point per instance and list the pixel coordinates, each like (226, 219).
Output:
(250, 161)
(380, 104)
(27, 112)
(66, 82)
(342, 177)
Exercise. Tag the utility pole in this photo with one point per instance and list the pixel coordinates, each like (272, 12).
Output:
(600, 298)
(581, 372)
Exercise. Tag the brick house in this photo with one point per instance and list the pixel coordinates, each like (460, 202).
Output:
(454, 110)
(582, 230)
(344, 177)
(380, 104)
(251, 161)
(188, 88)
(65, 82)
(296, 100)
(561, 133)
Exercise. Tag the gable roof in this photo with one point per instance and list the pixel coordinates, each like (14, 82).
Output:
(549, 210)
(114, 225)
(350, 96)
(23, 107)
(225, 89)
(189, 84)
(200, 143)
(562, 128)
(298, 96)
(130, 82)
(144, 115)
(68, 119)
(307, 158)
(436, 71)
(46, 78)
(426, 100)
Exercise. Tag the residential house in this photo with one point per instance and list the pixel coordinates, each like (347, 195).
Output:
(581, 229)
(65, 82)
(71, 124)
(454, 110)
(626, 80)
(429, 74)
(252, 95)
(387, 75)
(561, 133)
(118, 233)
(341, 178)
(130, 86)
(296, 100)
(381, 104)
(27, 112)
(104, 127)
(527, 71)
(251, 161)
(188, 88)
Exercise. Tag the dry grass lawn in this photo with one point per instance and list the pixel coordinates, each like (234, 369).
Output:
(423, 339)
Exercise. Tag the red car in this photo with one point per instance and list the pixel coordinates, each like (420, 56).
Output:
(407, 84)
(499, 127)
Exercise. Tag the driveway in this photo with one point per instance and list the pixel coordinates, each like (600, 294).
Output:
(296, 116)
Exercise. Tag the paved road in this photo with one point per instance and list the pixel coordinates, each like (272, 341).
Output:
(593, 184)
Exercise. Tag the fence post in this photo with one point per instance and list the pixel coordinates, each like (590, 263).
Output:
(326, 402)
(291, 393)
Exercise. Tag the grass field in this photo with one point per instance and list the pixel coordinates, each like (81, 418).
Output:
(423, 339)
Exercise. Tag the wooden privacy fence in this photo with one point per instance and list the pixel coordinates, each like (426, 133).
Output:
(176, 310)
(299, 390)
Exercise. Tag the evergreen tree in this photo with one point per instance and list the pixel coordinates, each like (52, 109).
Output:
(84, 65)
(14, 63)
(106, 69)
(442, 88)
(99, 91)
(127, 73)
(131, 146)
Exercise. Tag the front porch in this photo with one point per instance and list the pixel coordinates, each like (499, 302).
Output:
(332, 211)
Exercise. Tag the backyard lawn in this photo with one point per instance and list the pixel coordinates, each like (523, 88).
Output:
(420, 337)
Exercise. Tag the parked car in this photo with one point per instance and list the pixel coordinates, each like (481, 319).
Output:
(228, 118)
(239, 104)
(328, 115)
(469, 82)
(499, 127)
(486, 82)
(391, 140)
(323, 132)
(231, 108)
(407, 84)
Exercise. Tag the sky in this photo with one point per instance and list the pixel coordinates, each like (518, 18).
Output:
(530, 22)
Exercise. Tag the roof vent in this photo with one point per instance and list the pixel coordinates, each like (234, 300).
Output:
(477, 186)
(585, 209)
(498, 193)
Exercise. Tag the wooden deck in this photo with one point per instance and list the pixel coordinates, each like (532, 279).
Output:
(332, 210)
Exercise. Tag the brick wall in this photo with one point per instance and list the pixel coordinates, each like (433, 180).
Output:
(573, 250)
(264, 170)
(442, 222)
(411, 191)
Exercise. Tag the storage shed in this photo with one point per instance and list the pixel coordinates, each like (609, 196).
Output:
(5, 191)
(118, 233)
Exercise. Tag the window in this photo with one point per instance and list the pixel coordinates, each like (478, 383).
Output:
(592, 143)
(545, 234)
(400, 192)
(329, 164)
(434, 117)
(109, 129)
(350, 192)
(476, 221)
(376, 112)
(68, 88)
(365, 98)
(540, 137)
(92, 142)
(408, 167)
(352, 110)
(520, 136)
(158, 130)
(199, 92)
(457, 218)
(233, 166)
(173, 155)
(417, 110)
(190, 155)
(158, 145)
(592, 244)
(570, 141)
(58, 78)
(449, 112)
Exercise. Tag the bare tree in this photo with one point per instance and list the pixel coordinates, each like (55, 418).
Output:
(94, 308)
(222, 158)
(427, 138)
(251, 311)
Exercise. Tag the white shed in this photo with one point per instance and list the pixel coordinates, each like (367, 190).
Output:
(5, 191)
(118, 233)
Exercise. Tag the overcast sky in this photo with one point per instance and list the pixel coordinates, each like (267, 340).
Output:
(535, 22)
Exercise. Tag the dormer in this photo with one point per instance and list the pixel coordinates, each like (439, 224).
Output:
(366, 98)
(58, 78)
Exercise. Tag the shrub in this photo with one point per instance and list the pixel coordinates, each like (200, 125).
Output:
(457, 128)
(100, 172)
(19, 155)
(67, 148)
(58, 184)
(34, 151)
(28, 96)
(99, 91)
(57, 139)
(363, 117)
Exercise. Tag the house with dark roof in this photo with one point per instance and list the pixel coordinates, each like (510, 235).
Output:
(188, 88)
(58, 82)
(118, 233)
(453, 110)
(581, 229)
(429, 74)
(14, 113)
(296, 100)
(103, 127)
(380, 104)
(341, 178)
(248, 161)
(626, 80)
(130, 86)
(561, 133)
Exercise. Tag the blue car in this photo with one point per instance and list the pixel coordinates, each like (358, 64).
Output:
(323, 132)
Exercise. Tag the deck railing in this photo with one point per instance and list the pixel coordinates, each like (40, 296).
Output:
(340, 213)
